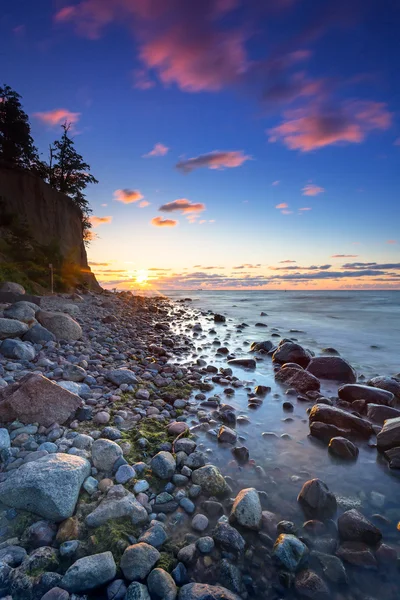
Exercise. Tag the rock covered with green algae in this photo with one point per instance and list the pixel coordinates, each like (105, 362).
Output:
(211, 480)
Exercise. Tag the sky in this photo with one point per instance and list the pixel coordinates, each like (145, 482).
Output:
(238, 144)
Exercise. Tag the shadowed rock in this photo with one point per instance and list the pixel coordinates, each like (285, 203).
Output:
(333, 368)
(340, 418)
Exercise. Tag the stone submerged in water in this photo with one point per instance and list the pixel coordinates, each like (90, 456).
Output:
(390, 384)
(389, 436)
(310, 585)
(228, 538)
(317, 501)
(60, 324)
(36, 399)
(340, 418)
(352, 392)
(354, 527)
(202, 591)
(226, 435)
(247, 363)
(48, 487)
(379, 413)
(333, 368)
(343, 448)
(290, 552)
(246, 509)
(211, 480)
(89, 572)
(296, 377)
(289, 352)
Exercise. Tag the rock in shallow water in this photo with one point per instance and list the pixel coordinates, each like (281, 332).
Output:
(202, 591)
(353, 526)
(340, 418)
(389, 436)
(343, 448)
(350, 393)
(317, 501)
(246, 509)
(211, 480)
(333, 368)
(300, 380)
(309, 585)
(289, 352)
(289, 552)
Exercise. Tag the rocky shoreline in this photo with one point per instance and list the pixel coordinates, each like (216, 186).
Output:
(106, 484)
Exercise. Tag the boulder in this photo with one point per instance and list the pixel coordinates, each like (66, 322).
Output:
(325, 431)
(379, 413)
(352, 392)
(393, 457)
(138, 560)
(289, 552)
(226, 435)
(389, 436)
(247, 363)
(300, 380)
(261, 346)
(11, 287)
(163, 465)
(357, 554)
(104, 454)
(10, 328)
(219, 318)
(211, 480)
(118, 503)
(21, 311)
(316, 500)
(310, 585)
(89, 572)
(38, 335)
(390, 384)
(120, 376)
(228, 538)
(354, 527)
(343, 448)
(203, 591)
(340, 418)
(161, 585)
(289, 352)
(17, 350)
(48, 486)
(60, 324)
(333, 368)
(246, 509)
(36, 399)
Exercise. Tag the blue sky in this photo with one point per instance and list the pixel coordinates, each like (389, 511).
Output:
(302, 104)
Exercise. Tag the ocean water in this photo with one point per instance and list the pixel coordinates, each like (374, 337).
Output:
(364, 327)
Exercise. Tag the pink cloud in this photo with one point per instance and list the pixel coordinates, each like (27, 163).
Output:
(58, 116)
(305, 208)
(183, 205)
(391, 242)
(275, 183)
(344, 256)
(312, 190)
(286, 212)
(214, 160)
(143, 204)
(158, 150)
(96, 221)
(65, 14)
(310, 128)
(282, 205)
(160, 222)
(127, 196)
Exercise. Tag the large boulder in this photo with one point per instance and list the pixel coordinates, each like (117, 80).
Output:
(60, 324)
(379, 413)
(246, 509)
(389, 436)
(138, 560)
(104, 454)
(11, 287)
(354, 527)
(353, 392)
(203, 591)
(332, 367)
(163, 465)
(261, 346)
(300, 380)
(10, 328)
(22, 311)
(48, 486)
(390, 384)
(289, 352)
(38, 335)
(211, 480)
(89, 572)
(340, 418)
(36, 399)
(17, 350)
(118, 503)
(325, 431)
(317, 501)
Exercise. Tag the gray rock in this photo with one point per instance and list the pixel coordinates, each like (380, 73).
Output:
(211, 481)
(11, 287)
(354, 527)
(332, 367)
(41, 533)
(104, 454)
(205, 544)
(340, 418)
(351, 393)
(246, 509)
(163, 465)
(332, 567)
(343, 448)
(121, 376)
(390, 384)
(38, 335)
(138, 560)
(154, 536)
(137, 591)
(21, 311)
(74, 373)
(10, 328)
(379, 413)
(48, 487)
(226, 435)
(289, 352)
(202, 591)
(316, 500)
(389, 436)
(161, 585)
(90, 572)
(228, 538)
(289, 552)
(61, 325)
(56, 593)
(116, 590)
(230, 576)
(17, 350)
(12, 556)
(125, 473)
(5, 441)
(199, 523)
(118, 503)
(310, 585)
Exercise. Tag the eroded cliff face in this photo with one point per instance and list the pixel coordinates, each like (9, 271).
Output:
(51, 218)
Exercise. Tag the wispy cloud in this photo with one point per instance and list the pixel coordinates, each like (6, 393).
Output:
(305, 208)
(183, 205)
(287, 261)
(275, 183)
(248, 266)
(57, 116)
(374, 265)
(281, 205)
(158, 150)
(127, 196)
(143, 204)
(344, 255)
(214, 160)
(391, 241)
(160, 222)
(312, 190)
(96, 221)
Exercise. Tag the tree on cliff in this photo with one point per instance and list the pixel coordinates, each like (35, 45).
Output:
(16, 143)
(68, 173)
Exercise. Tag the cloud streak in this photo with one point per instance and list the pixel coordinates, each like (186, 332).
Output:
(184, 206)
(96, 221)
(312, 190)
(57, 116)
(160, 222)
(158, 150)
(127, 196)
(214, 160)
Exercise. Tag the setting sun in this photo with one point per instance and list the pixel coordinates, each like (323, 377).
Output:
(142, 276)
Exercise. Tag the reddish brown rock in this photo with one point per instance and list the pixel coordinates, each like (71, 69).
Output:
(332, 367)
(36, 399)
(300, 380)
(340, 418)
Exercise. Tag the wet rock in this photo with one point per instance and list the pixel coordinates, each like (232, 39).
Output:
(56, 593)
(163, 465)
(199, 523)
(353, 526)
(104, 454)
(230, 576)
(138, 560)
(247, 363)
(36, 399)
(188, 554)
(137, 591)
(331, 566)
(261, 346)
(219, 318)
(161, 585)
(17, 350)
(389, 436)
(393, 457)
(289, 552)
(350, 393)
(358, 554)
(333, 368)
(340, 418)
(154, 536)
(228, 538)
(297, 378)
(9, 328)
(211, 480)
(227, 435)
(60, 324)
(41, 533)
(390, 384)
(202, 591)
(116, 590)
(343, 448)
(317, 501)
(379, 413)
(289, 352)
(212, 508)
(48, 487)
(241, 453)
(326, 431)
(118, 503)
(90, 572)
(309, 585)
(120, 376)
(246, 509)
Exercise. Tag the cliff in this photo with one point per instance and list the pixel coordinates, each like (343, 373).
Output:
(38, 226)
